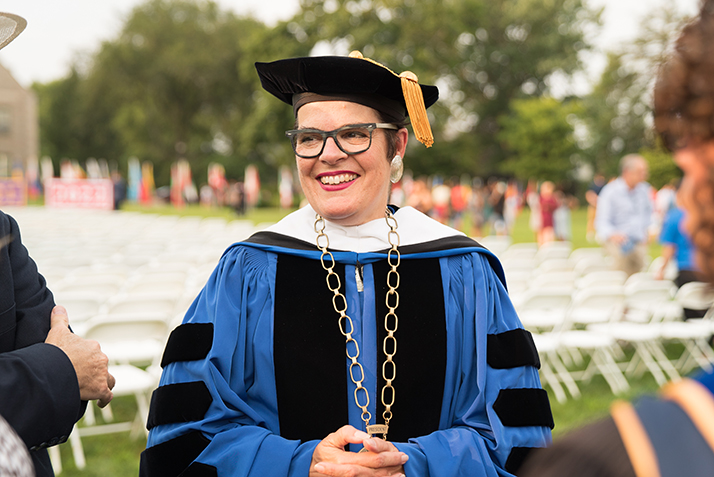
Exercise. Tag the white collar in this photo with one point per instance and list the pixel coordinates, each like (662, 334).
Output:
(413, 227)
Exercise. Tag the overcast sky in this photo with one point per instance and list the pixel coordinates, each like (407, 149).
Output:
(60, 31)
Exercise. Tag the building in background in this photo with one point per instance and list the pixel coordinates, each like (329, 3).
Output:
(19, 128)
(19, 141)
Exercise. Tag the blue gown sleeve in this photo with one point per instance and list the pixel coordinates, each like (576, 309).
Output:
(473, 440)
(239, 433)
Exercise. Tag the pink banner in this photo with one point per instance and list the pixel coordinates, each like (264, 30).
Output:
(79, 193)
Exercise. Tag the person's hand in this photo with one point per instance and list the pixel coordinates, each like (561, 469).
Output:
(618, 239)
(90, 363)
(331, 458)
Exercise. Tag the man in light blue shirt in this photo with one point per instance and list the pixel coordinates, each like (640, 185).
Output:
(624, 214)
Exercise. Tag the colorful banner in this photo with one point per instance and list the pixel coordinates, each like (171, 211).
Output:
(79, 193)
(13, 192)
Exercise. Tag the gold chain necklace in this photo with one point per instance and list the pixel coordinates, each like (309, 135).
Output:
(389, 346)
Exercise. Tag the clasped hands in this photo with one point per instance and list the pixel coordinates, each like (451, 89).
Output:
(90, 363)
(383, 459)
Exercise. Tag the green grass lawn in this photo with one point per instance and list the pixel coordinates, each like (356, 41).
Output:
(118, 455)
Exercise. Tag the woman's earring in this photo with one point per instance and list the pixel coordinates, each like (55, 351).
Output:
(396, 169)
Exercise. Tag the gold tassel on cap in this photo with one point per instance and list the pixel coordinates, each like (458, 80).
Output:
(415, 106)
(414, 100)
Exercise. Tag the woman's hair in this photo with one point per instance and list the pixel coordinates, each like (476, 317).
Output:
(392, 138)
(684, 91)
(684, 114)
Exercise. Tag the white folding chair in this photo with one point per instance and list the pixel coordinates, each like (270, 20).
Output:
(146, 301)
(596, 304)
(645, 338)
(670, 272)
(649, 300)
(130, 380)
(695, 296)
(591, 264)
(559, 279)
(553, 370)
(543, 309)
(521, 251)
(131, 338)
(124, 340)
(601, 350)
(518, 282)
(98, 289)
(640, 277)
(585, 252)
(695, 336)
(553, 265)
(497, 244)
(553, 250)
(81, 306)
(598, 278)
(527, 264)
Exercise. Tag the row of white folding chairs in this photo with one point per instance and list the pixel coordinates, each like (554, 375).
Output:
(641, 300)
(581, 264)
(537, 254)
(607, 330)
(560, 273)
(126, 280)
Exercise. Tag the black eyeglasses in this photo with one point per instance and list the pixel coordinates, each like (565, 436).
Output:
(351, 139)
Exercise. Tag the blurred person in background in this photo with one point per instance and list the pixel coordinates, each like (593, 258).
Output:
(677, 246)
(441, 202)
(535, 221)
(624, 215)
(420, 196)
(665, 200)
(547, 203)
(591, 196)
(512, 205)
(477, 203)
(562, 217)
(497, 203)
(458, 201)
(671, 434)
(119, 187)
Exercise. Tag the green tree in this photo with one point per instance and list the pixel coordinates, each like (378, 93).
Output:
(618, 110)
(178, 81)
(538, 135)
(662, 167)
(175, 82)
(60, 116)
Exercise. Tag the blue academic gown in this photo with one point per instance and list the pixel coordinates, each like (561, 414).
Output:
(217, 411)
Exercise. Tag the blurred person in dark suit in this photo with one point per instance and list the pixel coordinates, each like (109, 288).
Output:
(46, 372)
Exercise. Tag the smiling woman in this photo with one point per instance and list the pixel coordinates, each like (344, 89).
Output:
(286, 363)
